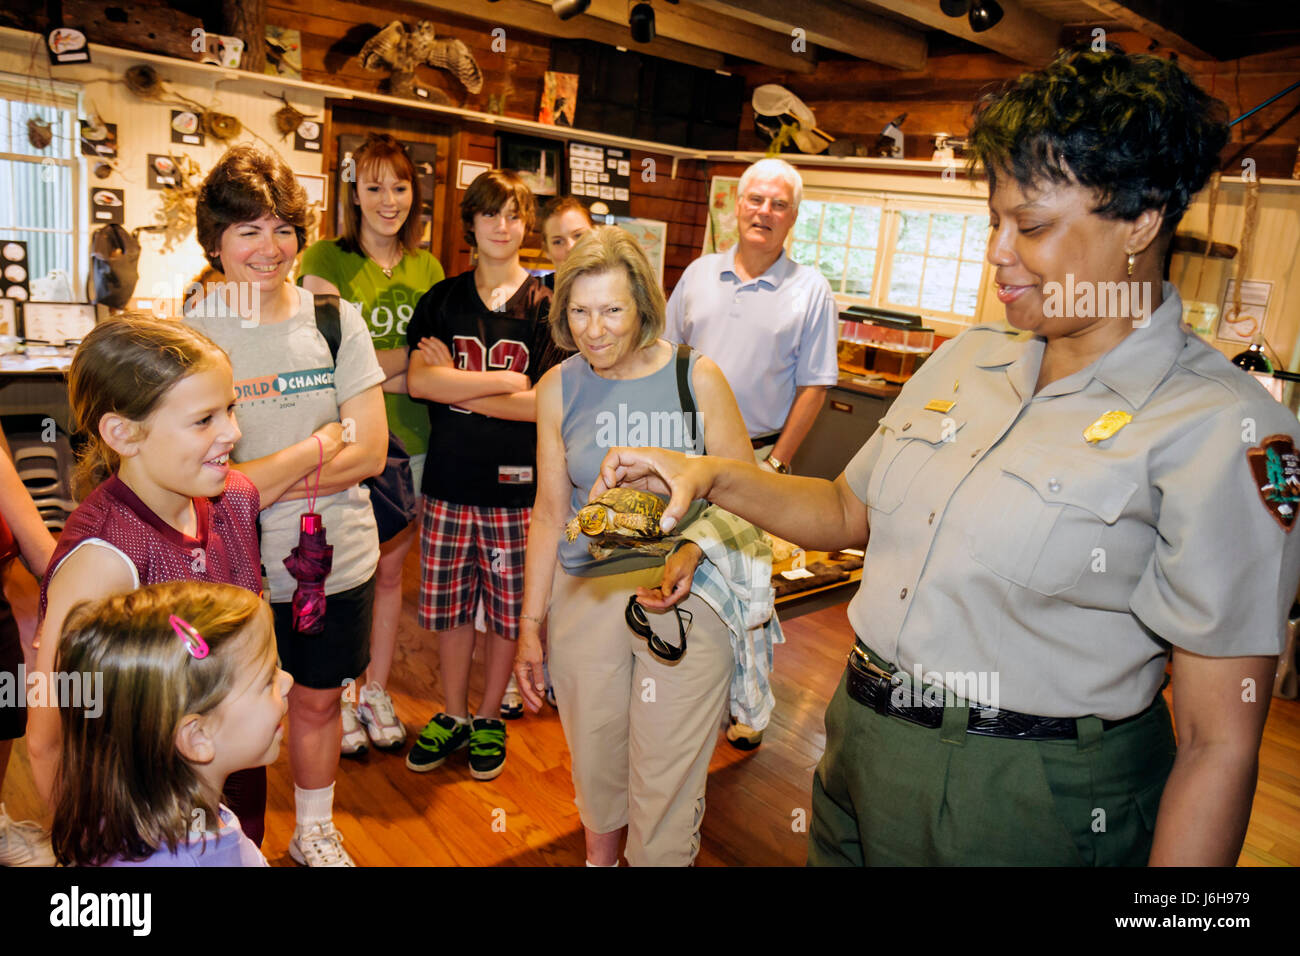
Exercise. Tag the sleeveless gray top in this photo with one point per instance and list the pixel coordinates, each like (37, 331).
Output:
(602, 413)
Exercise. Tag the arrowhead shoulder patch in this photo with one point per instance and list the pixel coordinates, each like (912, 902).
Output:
(1275, 468)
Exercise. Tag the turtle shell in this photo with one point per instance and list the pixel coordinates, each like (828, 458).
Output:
(629, 501)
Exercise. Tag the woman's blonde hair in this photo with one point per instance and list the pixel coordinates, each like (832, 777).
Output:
(123, 791)
(604, 249)
(125, 366)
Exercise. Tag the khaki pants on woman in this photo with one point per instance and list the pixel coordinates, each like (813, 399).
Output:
(640, 730)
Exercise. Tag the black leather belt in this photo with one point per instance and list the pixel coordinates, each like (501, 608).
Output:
(886, 694)
(764, 440)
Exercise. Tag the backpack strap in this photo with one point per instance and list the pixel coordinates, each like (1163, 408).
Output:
(328, 323)
(684, 396)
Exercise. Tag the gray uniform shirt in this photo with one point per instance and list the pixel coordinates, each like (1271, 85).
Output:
(286, 387)
(1003, 543)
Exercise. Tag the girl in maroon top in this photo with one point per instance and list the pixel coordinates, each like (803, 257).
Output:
(155, 400)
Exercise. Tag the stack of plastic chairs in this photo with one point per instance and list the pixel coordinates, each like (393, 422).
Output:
(44, 460)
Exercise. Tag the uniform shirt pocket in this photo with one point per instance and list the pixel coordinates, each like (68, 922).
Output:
(911, 437)
(1043, 517)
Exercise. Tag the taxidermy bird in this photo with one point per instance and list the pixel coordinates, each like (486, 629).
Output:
(395, 49)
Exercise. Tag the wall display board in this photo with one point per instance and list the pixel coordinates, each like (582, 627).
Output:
(601, 175)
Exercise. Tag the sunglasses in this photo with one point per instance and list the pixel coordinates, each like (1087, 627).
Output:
(640, 625)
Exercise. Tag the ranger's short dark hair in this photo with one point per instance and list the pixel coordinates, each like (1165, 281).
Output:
(1135, 128)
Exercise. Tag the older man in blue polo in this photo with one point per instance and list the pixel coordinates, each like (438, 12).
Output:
(771, 325)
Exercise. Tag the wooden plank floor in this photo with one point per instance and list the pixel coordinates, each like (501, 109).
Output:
(756, 801)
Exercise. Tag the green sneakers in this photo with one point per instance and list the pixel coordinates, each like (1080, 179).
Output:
(442, 736)
(487, 748)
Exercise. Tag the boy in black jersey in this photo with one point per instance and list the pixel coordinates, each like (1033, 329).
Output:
(479, 342)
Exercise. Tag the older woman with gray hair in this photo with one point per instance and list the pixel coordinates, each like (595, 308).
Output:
(640, 706)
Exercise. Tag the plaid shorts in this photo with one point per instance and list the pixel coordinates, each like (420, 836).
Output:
(468, 552)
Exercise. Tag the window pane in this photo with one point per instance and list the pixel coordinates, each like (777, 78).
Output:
(809, 221)
(977, 238)
(912, 227)
(862, 265)
(804, 253)
(905, 280)
(968, 288)
(940, 281)
(945, 235)
(835, 224)
(41, 195)
(866, 226)
(831, 263)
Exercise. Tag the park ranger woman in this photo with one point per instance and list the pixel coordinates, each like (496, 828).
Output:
(1067, 510)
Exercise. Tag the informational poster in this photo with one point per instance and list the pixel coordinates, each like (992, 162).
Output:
(108, 205)
(99, 139)
(1243, 326)
(601, 178)
(186, 128)
(721, 231)
(652, 236)
(307, 136)
(67, 45)
(162, 172)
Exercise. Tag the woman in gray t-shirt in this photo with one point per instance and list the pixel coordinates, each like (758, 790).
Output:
(251, 222)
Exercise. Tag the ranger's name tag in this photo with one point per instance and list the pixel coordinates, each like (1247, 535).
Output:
(515, 474)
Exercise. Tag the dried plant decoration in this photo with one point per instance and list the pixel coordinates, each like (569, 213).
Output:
(175, 212)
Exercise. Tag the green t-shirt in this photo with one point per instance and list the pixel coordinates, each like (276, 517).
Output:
(386, 305)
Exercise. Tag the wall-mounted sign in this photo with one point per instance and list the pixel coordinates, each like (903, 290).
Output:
(307, 136)
(99, 139)
(107, 205)
(162, 171)
(67, 45)
(186, 128)
(467, 172)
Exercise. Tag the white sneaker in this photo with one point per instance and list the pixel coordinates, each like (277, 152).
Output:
(512, 702)
(23, 843)
(319, 845)
(354, 735)
(375, 711)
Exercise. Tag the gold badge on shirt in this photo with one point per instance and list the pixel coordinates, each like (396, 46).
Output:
(1106, 426)
(939, 405)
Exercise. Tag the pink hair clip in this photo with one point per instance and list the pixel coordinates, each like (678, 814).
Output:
(194, 642)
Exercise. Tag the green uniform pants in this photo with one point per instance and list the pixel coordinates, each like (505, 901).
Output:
(892, 793)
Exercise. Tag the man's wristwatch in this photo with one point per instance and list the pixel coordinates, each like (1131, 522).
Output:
(780, 467)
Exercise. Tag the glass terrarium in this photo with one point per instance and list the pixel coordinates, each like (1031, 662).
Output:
(890, 352)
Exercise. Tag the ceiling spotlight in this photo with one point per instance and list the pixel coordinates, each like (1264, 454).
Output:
(568, 9)
(642, 22)
(984, 15)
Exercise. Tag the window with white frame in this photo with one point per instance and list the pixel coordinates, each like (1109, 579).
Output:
(908, 254)
(39, 186)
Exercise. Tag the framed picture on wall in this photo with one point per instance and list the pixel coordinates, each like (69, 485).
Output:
(539, 162)
(720, 230)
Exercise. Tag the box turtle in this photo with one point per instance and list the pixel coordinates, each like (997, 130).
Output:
(621, 517)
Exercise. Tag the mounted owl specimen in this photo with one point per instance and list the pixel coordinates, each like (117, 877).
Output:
(400, 51)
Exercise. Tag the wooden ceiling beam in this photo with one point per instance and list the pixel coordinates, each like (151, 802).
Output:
(1148, 27)
(708, 31)
(531, 16)
(832, 24)
(1021, 34)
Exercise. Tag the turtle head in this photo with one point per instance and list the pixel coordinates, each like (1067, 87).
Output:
(592, 519)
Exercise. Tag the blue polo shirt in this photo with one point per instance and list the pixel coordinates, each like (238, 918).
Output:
(769, 336)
